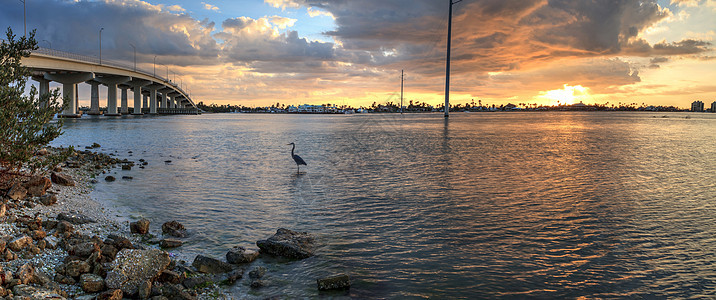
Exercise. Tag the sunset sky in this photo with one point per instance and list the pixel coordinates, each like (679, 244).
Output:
(351, 52)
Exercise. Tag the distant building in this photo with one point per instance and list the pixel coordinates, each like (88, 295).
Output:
(697, 106)
(713, 106)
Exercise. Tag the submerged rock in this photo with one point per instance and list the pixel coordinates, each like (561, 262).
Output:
(288, 243)
(340, 281)
(210, 265)
(174, 228)
(140, 227)
(170, 243)
(240, 255)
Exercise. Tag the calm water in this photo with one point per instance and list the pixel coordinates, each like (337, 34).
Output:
(486, 205)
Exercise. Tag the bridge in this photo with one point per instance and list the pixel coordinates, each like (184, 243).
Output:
(152, 94)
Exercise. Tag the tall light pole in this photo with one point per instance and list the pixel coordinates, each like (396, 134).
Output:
(402, 78)
(100, 45)
(135, 57)
(24, 15)
(447, 63)
(155, 66)
(167, 72)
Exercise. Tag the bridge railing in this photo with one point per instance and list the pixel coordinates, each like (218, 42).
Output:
(105, 62)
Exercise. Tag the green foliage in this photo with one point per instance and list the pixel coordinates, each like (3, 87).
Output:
(25, 120)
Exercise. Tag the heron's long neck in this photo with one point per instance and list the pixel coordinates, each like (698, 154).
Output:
(292, 148)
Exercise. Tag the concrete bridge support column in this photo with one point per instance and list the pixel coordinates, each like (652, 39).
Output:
(153, 97)
(111, 82)
(172, 104)
(138, 101)
(69, 85)
(137, 85)
(145, 101)
(94, 100)
(125, 107)
(44, 88)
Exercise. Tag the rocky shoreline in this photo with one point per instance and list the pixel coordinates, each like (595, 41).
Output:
(58, 243)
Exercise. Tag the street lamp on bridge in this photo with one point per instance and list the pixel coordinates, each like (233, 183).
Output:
(135, 57)
(155, 66)
(100, 45)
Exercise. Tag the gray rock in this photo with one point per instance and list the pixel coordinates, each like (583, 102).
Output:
(288, 243)
(257, 272)
(139, 227)
(177, 292)
(133, 267)
(201, 280)
(170, 243)
(32, 292)
(76, 219)
(62, 179)
(84, 250)
(51, 242)
(240, 255)
(174, 229)
(257, 283)
(170, 277)
(210, 265)
(91, 283)
(340, 281)
(110, 178)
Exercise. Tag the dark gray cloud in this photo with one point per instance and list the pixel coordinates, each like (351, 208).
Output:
(154, 30)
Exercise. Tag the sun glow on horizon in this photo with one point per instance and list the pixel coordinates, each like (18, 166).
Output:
(568, 95)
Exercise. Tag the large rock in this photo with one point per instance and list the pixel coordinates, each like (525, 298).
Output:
(133, 267)
(26, 274)
(116, 294)
(174, 228)
(19, 243)
(62, 179)
(76, 219)
(210, 265)
(288, 243)
(35, 293)
(38, 185)
(91, 283)
(84, 250)
(48, 199)
(170, 243)
(340, 281)
(17, 192)
(76, 268)
(240, 255)
(140, 227)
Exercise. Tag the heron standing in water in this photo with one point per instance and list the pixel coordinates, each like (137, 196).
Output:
(299, 161)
